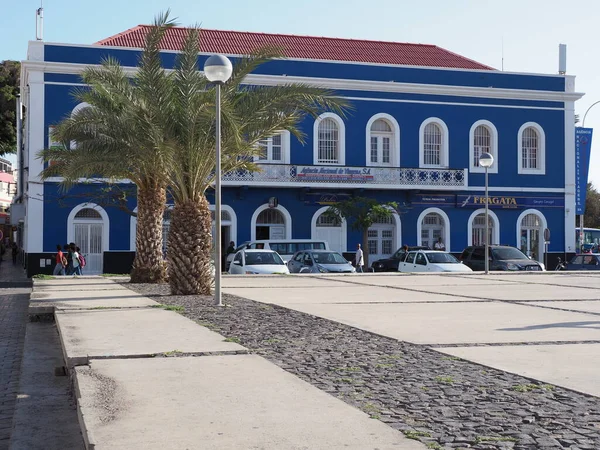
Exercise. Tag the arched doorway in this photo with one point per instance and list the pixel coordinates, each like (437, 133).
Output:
(382, 239)
(476, 228)
(329, 229)
(88, 229)
(271, 223)
(433, 223)
(530, 230)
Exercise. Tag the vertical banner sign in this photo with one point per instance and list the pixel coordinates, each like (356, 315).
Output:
(583, 147)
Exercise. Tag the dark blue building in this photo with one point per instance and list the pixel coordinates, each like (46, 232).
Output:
(422, 116)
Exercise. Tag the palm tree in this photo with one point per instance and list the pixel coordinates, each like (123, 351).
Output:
(250, 114)
(121, 135)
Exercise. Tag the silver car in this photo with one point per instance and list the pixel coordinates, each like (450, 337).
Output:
(319, 261)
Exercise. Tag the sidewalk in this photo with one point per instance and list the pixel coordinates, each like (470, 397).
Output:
(146, 377)
(11, 275)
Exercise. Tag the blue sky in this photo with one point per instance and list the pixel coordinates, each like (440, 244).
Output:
(529, 30)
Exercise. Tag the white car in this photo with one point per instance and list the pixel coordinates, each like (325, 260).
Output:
(431, 261)
(254, 262)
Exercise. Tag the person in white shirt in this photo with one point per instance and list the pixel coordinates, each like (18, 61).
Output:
(439, 245)
(359, 262)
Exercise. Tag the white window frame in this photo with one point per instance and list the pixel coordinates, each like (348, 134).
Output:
(78, 107)
(341, 137)
(444, 153)
(105, 223)
(286, 214)
(395, 141)
(493, 146)
(541, 170)
(285, 150)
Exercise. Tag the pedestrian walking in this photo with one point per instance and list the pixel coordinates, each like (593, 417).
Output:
(359, 261)
(15, 253)
(76, 262)
(439, 245)
(61, 261)
(69, 255)
(230, 249)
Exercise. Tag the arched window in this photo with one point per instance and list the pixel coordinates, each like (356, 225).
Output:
(531, 225)
(483, 138)
(532, 149)
(381, 143)
(329, 140)
(88, 213)
(79, 107)
(433, 143)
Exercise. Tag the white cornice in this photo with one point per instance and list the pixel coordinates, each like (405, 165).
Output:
(352, 85)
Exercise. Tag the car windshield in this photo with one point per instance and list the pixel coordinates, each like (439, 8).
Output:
(441, 258)
(329, 258)
(260, 258)
(507, 253)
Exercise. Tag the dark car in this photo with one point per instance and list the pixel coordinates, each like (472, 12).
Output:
(391, 264)
(502, 257)
(589, 261)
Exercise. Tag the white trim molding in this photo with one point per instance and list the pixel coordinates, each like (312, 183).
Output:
(286, 215)
(444, 150)
(446, 225)
(233, 223)
(493, 146)
(344, 226)
(354, 85)
(541, 216)
(570, 217)
(496, 229)
(105, 223)
(394, 151)
(541, 170)
(341, 138)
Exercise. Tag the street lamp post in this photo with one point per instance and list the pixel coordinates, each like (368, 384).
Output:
(218, 70)
(486, 160)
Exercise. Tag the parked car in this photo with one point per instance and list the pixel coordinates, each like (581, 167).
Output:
(319, 261)
(431, 261)
(284, 247)
(589, 261)
(391, 264)
(253, 262)
(501, 257)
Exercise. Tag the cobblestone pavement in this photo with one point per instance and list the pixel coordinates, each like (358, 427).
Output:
(443, 401)
(13, 318)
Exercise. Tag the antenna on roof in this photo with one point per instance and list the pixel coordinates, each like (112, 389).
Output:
(39, 22)
(502, 53)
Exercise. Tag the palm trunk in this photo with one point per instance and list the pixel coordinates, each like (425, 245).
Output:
(190, 267)
(149, 265)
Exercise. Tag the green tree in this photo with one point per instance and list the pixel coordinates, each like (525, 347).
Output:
(591, 218)
(121, 135)
(9, 88)
(361, 213)
(250, 114)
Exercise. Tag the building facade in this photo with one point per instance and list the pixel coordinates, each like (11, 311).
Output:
(421, 117)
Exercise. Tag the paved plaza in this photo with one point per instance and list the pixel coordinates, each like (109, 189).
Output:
(544, 325)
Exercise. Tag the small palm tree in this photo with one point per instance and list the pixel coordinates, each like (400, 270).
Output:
(250, 114)
(121, 135)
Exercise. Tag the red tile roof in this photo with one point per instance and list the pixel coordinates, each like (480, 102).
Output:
(304, 47)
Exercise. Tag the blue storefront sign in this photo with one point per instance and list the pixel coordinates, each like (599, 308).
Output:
(434, 199)
(583, 148)
(508, 201)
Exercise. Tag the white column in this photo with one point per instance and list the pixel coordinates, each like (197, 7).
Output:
(570, 168)
(34, 218)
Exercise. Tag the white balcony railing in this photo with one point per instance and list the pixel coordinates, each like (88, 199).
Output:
(365, 177)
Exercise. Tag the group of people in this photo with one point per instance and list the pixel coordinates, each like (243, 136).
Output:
(69, 260)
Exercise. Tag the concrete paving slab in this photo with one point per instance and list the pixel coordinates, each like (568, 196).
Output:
(423, 280)
(456, 323)
(219, 402)
(289, 281)
(349, 293)
(574, 366)
(519, 291)
(123, 298)
(566, 278)
(579, 305)
(111, 333)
